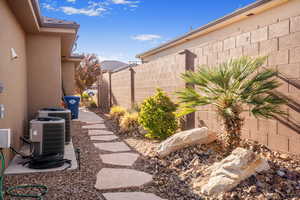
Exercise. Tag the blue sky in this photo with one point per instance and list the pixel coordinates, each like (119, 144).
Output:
(121, 29)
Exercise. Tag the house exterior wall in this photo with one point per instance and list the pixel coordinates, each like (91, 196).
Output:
(13, 74)
(68, 77)
(44, 72)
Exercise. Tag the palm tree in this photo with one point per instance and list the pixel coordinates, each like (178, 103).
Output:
(229, 87)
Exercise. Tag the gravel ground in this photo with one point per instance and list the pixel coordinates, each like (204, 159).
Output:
(70, 185)
(174, 176)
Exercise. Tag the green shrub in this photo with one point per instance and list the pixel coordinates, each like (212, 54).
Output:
(93, 104)
(85, 96)
(157, 116)
(116, 112)
(129, 123)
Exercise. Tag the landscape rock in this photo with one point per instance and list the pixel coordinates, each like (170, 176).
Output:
(184, 139)
(228, 173)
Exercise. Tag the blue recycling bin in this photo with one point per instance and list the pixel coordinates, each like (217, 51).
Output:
(73, 105)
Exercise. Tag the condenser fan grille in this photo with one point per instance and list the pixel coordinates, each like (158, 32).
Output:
(67, 117)
(53, 138)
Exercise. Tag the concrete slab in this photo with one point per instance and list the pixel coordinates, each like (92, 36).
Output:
(123, 159)
(99, 132)
(94, 127)
(89, 117)
(104, 138)
(112, 146)
(15, 167)
(121, 178)
(131, 196)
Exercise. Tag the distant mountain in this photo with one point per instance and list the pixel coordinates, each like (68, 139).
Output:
(111, 65)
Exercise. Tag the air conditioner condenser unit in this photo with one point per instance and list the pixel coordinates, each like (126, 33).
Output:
(47, 135)
(62, 113)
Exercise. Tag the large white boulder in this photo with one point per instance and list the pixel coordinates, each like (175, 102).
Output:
(228, 173)
(184, 139)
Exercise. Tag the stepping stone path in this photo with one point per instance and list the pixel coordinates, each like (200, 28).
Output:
(104, 138)
(99, 132)
(112, 146)
(131, 196)
(121, 155)
(125, 159)
(94, 127)
(110, 178)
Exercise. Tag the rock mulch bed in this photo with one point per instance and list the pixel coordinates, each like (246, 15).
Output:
(175, 175)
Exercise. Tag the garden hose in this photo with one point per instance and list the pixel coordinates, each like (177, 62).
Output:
(12, 191)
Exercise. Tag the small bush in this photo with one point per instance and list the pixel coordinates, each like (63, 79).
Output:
(85, 96)
(93, 104)
(129, 123)
(116, 112)
(157, 116)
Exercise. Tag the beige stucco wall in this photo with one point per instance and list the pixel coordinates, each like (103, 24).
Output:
(68, 77)
(13, 74)
(44, 72)
(284, 11)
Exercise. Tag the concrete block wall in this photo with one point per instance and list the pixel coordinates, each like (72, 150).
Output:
(162, 73)
(103, 92)
(275, 33)
(121, 88)
(280, 41)
(132, 85)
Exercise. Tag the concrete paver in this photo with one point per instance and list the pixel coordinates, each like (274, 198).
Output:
(89, 117)
(121, 178)
(94, 126)
(112, 146)
(99, 132)
(131, 196)
(125, 159)
(104, 138)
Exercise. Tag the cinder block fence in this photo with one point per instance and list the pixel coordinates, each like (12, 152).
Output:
(278, 39)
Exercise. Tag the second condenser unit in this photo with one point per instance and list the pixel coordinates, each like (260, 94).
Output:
(62, 113)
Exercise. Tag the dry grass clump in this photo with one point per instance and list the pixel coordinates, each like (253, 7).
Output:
(129, 122)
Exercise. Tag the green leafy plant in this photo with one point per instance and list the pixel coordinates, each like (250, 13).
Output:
(93, 104)
(116, 112)
(157, 116)
(129, 123)
(229, 87)
(85, 96)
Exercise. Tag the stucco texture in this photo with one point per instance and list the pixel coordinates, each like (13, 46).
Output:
(13, 74)
(68, 77)
(44, 72)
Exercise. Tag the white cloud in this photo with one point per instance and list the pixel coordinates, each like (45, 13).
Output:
(93, 7)
(48, 7)
(124, 2)
(146, 37)
(90, 11)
